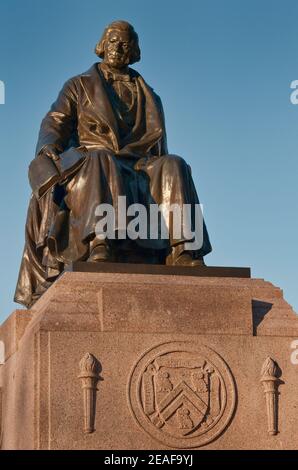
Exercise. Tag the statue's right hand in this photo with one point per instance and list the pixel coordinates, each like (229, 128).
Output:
(50, 151)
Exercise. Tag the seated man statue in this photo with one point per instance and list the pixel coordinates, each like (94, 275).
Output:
(117, 118)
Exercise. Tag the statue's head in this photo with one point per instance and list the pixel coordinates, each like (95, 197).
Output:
(119, 45)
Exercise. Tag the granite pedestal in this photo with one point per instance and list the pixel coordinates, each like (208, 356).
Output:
(165, 360)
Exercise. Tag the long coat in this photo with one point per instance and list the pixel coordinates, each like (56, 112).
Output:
(60, 224)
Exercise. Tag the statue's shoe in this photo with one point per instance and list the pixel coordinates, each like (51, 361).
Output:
(99, 254)
(186, 259)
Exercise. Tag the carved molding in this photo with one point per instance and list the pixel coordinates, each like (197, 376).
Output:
(270, 381)
(90, 369)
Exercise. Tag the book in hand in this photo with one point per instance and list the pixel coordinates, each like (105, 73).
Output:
(44, 173)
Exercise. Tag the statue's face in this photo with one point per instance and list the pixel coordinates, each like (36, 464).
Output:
(117, 49)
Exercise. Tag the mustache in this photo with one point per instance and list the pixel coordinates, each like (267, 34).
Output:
(116, 53)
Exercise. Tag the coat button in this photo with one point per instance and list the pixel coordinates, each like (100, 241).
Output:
(103, 129)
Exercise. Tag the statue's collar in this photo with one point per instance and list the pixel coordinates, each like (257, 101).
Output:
(111, 75)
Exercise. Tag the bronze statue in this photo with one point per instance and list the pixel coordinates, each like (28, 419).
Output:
(118, 119)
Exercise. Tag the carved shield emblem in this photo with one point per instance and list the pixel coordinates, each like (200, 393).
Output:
(182, 394)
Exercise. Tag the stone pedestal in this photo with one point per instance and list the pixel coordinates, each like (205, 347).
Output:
(151, 361)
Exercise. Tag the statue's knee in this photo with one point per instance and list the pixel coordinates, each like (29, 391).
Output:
(103, 156)
(175, 160)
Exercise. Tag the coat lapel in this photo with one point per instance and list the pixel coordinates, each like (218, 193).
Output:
(154, 122)
(93, 85)
(149, 129)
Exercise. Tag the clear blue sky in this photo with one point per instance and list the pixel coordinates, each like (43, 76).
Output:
(223, 70)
